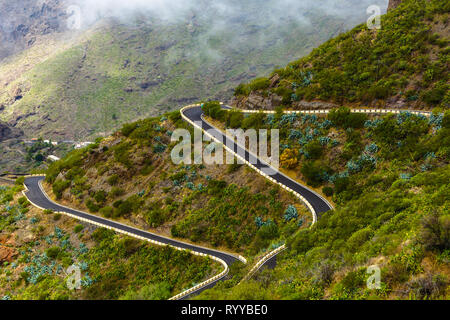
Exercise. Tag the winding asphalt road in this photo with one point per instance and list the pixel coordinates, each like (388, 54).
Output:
(37, 196)
(319, 204)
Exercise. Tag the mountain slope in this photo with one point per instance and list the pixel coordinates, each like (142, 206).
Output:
(37, 247)
(118, 71)
(131, 177)
(389, 179)
(403, 65)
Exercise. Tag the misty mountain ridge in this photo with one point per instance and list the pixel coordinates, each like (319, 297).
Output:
(135, 59)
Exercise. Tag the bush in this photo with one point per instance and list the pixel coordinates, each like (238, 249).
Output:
(233, 167)
(48, 212)
(435, 233)
(100, 197)
(288, 158)
(314, 149)
(328, 191)
(235, 119)
(101, 234)
(59, 186)
(107, 212)
(242, 90)
(314, 172)
(155, 218)
(23, 201)
(429, 286)
(128, 129)
(20, 181)
(344, 118)
(92, 206)
(214, 110)
(216, 186)
(259, 84)
(113, 180)
(268, 231)
(78, 228)
(57, 217)
(116, 192)
(53, 252)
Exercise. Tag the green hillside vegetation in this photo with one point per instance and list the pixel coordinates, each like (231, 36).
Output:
(405, 63)
(44, 245)
(131, 177)
(389, 178)
(120, 72)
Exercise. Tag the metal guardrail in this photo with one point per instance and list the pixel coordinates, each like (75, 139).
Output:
(299, 196)
(326, 111)
(261, 262)
(224, 264)
(178, 296)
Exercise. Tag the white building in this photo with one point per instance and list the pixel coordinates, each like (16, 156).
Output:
(53, 158)
(82, 144)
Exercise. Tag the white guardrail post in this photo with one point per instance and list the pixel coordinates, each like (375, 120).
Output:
(178, 296)
(224, 264)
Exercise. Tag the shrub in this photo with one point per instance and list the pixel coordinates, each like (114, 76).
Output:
(235, 119)
(101, 234)
(48, 212)
(314, 172)
(214, 110)
(429, 286)
(92, 206)
(57, 217)
(175, 116)
(128, 129)
(288, 158)
(259, 84)
(328, 191)
(113, 180)
(100, 196)
(268, 231)
(53, 252)
(344, 118)
(233, 167)
(78, 228)
(20, 181)
(353, 279)
(126, 207)
(435, 233)
(23, 201)
(155, 217)
(216, 186)
(107, 212)
(59, 186)
(116, 192)
(314, 149)
(242, 90)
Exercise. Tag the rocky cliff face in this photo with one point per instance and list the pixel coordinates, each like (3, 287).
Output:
(393, 4)
(7, 132)
(23, 22)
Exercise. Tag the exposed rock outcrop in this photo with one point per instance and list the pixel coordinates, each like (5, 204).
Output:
(7, 132)
(393, 4)
(7, 254)
(23, 22)
(255, 101)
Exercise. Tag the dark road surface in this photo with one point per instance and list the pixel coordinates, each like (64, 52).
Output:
(37, 196)
(319, 204)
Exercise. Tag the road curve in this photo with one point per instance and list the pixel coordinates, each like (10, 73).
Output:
(319, 204)
(37, 196)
